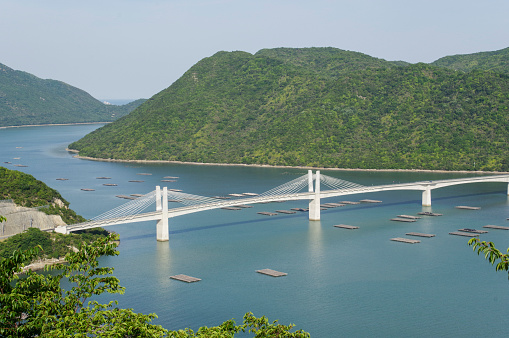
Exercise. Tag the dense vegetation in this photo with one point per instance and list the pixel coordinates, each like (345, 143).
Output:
(328, 62)
(26, 191)
(53, 245)
(38, 306)
(496, 61)
(317, 107)
(27, 99)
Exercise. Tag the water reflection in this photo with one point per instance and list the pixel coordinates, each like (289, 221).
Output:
(315, 243)
(163, 261)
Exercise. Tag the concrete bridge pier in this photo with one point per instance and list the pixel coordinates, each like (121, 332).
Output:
(314, 204)
(163, 234)
(426, 197)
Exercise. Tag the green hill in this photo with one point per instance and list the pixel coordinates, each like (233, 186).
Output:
(496, 61)
(320, 107)
(26, 191)
(27, 99)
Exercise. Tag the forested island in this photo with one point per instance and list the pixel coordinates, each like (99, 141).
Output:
(321, 107)
(27, 100)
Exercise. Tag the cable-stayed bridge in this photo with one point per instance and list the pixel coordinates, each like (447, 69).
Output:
(306, 187)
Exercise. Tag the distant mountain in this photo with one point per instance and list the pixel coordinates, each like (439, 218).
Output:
(27, 99)
(496, 61)
(320, 107)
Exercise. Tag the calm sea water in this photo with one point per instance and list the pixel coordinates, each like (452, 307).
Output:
(351, 283)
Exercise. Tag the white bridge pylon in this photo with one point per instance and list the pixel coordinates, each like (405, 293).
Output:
(131, 212)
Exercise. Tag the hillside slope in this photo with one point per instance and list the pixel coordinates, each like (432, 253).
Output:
(27, 99)
(317, 107)
(326, 61)
(495, 61)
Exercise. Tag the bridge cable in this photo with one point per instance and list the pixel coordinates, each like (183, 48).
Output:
(190, 199)
(292, 187)
(130, 208)
(338, 184)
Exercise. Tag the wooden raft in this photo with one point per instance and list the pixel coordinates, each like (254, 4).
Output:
(474, 231)
(397, 219)
(231, 208)
(428, 213)
(270, 272)
(333, 205)
(405, 240)
(496, 227)
(418, 234)
(285, 211)
(344, 226)
(467, 207)
(185, 278)
(126, 197)
(409, 216)
(266, 213)
(465, 234)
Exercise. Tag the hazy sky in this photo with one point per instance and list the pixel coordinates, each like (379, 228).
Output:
(128, 49)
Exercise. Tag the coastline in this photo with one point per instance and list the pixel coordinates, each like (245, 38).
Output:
(40, 264)
(52, 124)
(281, 166)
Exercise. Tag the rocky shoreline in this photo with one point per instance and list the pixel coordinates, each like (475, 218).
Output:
(41, 263)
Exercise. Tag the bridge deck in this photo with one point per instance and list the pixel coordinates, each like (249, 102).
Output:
(252, 199)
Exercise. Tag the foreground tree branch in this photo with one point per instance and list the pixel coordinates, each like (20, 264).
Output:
(492, 254)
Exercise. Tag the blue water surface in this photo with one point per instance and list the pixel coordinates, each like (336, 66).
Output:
(351, 283)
